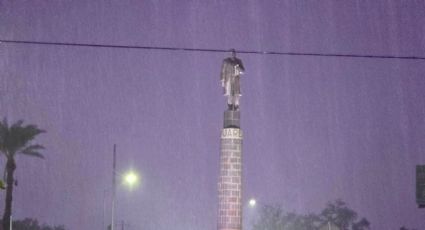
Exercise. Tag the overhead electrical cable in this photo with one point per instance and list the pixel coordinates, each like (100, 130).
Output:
(342, 55)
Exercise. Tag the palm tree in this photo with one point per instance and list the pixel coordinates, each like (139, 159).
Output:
(16, 139)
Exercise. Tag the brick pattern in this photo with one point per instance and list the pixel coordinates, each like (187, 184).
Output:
(230, 183)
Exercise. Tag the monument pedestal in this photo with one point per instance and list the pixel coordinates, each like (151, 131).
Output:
(232, 119)
(230, 179)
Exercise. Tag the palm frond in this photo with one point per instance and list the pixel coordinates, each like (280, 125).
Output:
(32, 150)
(17, 137)
(17, 124)
(33, 154)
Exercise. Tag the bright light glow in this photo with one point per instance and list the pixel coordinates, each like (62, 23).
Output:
(131, 178)
(252, 202)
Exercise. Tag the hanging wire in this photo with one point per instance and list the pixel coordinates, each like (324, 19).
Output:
(29, 42)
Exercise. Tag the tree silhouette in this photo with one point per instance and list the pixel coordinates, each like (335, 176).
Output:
(344, 217)
(272, 217)
(404, 228)
(15, 139)
(33, 224)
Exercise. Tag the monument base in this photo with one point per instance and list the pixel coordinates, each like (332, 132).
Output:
(230, 180)
(232, 119)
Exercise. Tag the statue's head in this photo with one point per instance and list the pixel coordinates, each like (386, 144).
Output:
(233, 53)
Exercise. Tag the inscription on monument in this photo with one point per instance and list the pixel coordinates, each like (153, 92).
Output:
(231, 133)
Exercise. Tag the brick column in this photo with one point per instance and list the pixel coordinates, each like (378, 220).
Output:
(230, 180)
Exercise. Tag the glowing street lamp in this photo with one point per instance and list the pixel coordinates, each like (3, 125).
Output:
(131, 178)
(252, 202)
(251, 211)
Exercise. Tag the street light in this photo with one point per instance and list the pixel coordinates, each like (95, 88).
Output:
(130, 178)
(252, 202)
(250, 213)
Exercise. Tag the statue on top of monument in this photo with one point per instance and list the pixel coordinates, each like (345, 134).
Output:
(231, 71)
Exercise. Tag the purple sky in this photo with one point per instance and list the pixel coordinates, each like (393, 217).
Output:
(316, 129)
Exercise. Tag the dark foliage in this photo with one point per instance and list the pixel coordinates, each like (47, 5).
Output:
(16, 139)
(32, 224)
(337, 213)
(404, 228)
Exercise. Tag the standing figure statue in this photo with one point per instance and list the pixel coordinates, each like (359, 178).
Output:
(231, 71)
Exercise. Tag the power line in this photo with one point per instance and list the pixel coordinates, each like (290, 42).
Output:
(29, 42)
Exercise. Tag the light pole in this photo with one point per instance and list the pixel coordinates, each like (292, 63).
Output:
(129, 178)
(250, 216)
